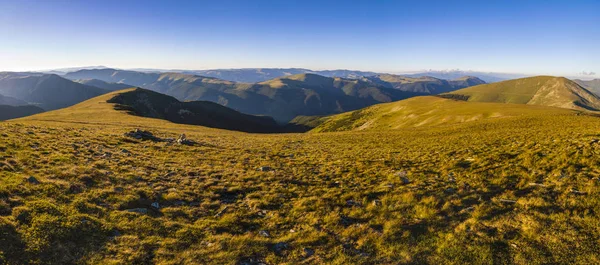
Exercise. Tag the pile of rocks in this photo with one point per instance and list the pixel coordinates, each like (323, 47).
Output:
(143, 135)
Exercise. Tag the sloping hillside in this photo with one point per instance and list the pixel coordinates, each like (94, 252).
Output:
(151, 104)
(425, 85)
(422, 112)
(8, 112)
(141, 107)
(540, 90)
(46, 91)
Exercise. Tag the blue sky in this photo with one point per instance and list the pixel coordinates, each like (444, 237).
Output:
(533, 37)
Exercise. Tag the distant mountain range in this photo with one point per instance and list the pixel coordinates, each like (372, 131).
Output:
(104, 85)
(47, 91)
(282, 98)
(254, 75)
(425, 85)
(456, 74)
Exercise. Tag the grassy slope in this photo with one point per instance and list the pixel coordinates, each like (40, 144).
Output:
(339, 195)
(520, 189)
(426, 111)
(539, 90)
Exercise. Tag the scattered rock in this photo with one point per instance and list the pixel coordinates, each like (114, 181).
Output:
(221, 212)
(405, 180)
(33, 180)
(450, 190)
(184, 141)
(125, 151)
(308, 252)
(576, 192)
(265, 169)
(280, 247)
(507, 201)
(376, 203)
(143, 135)
(536, 184)
(138, 210)
(353, 203)
(264, 233)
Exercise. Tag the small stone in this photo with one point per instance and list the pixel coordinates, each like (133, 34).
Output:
(279, 247)
(405, 180)
(155, 205)
(450, 190)
(138, 210)
(264, 233)
(265, 169)
(33, 180)
(308, 252)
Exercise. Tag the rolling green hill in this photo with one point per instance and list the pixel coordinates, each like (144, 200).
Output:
(46, 90)
(540, 90)
(144, 107)
(424, 111)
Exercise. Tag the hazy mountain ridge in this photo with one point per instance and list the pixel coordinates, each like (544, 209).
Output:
(488, 77)
(10, 101)
(104, 85)
(47, 91)
(281, 98)
(426, 84)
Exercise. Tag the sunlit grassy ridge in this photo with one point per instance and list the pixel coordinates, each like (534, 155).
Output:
(426, 111)
(539, 90)
(515, 189)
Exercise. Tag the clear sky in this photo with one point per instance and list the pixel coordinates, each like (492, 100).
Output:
(526, 36)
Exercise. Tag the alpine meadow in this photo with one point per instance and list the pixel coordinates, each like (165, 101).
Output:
(303, 132)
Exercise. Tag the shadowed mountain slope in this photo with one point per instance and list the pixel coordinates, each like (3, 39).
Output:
(10, 101)
(136, 106)
(426, 85)
(104, 85)
(12, 112)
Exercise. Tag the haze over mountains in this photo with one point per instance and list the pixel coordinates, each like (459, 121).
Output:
(282, 98)
(47, 91)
